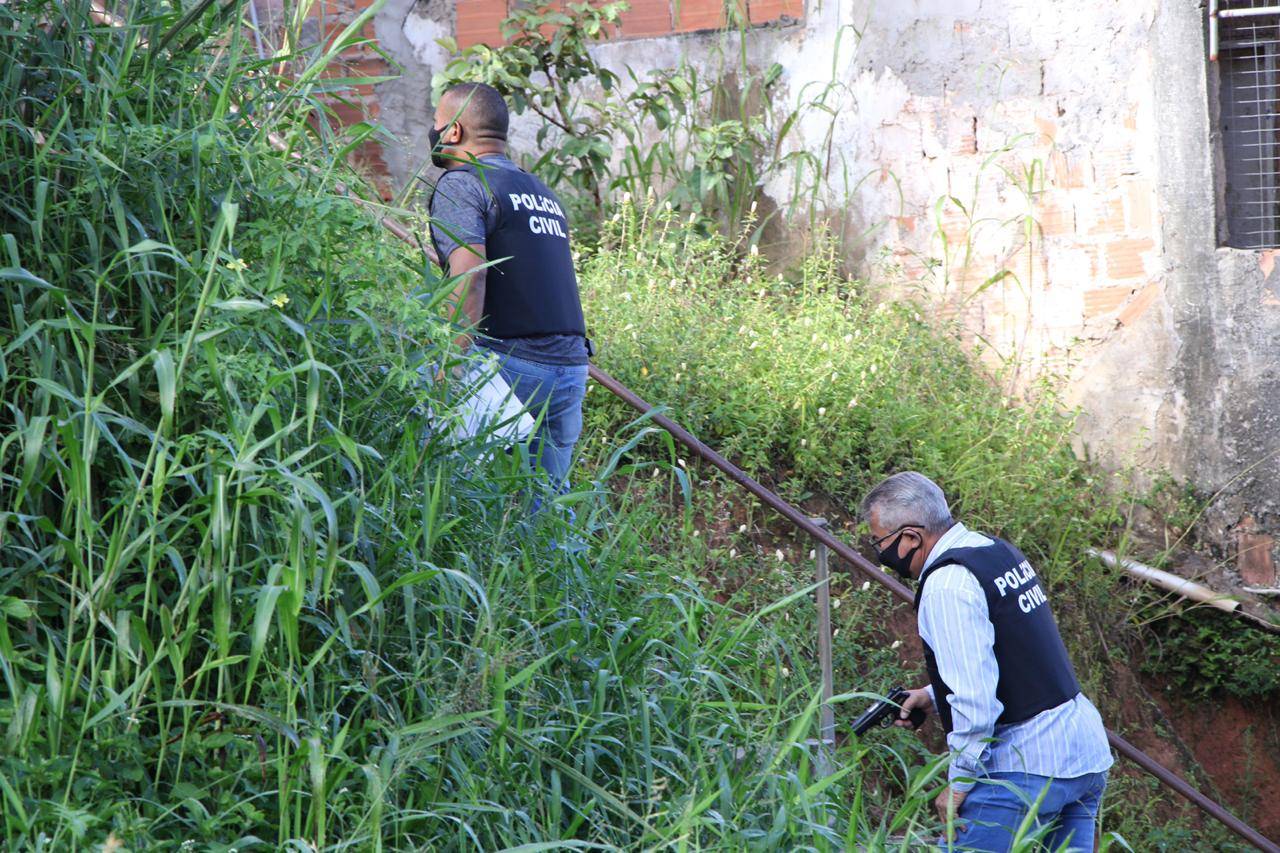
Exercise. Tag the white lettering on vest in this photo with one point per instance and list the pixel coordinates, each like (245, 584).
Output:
(1031, 599)
(1001, 586)
(547, 225)
(542, 203)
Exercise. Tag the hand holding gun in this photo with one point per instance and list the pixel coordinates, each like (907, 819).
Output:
(885, 711)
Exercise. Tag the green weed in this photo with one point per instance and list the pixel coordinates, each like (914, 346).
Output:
(249, 596)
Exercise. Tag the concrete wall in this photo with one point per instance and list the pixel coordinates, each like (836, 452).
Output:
(1170, 343)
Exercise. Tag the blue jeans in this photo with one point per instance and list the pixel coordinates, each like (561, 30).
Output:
(553, 393)
(991, 813)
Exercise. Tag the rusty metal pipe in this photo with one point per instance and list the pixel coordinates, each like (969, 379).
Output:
(1122, 746)
(786, 510)
(802, 521)
(1177, 783)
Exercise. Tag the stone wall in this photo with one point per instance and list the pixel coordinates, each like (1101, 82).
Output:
(1090, 123)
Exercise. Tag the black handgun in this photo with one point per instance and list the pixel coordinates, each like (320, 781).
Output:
(885, 711)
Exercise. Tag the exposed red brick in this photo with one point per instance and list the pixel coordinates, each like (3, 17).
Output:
(1048, 128)
(1137, 201)
(1124, 257)
(1110, 166)
(1055, 215)
(764, 11)
(1138, 306)
(1069, 173)
(1254, 557)
(547, 6)
(647, 18)
(1104, 300)
(694, 15)
(480, 22)
(955, 226)
(1109, 217)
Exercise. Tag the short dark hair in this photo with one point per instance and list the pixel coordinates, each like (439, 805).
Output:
(485, 108)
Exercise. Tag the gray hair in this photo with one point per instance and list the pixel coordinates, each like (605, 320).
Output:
(908, 498)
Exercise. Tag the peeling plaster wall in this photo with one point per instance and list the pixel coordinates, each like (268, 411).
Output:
(1170, 344)
(408, 30)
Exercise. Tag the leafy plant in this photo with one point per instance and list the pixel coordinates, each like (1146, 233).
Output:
(251, 595)
(706, 144)
(540, 67)
(1205, 652)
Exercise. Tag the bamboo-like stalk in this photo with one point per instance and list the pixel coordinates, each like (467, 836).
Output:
(1165, 580)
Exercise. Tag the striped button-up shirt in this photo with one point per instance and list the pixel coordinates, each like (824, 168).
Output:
(1062, 742)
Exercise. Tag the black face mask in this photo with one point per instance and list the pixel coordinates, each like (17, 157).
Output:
(901, 566)
(437, 151)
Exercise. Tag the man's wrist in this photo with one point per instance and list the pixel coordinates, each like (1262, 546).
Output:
(960, 776)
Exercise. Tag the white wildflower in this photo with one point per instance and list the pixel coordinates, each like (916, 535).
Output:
(895, 644)
(779, 555)
(822, 411)
(733, 552)
(742, 528)
(812, 554)
(835, 604)
(866, 585)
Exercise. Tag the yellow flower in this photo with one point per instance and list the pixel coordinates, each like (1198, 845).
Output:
(237, 265)
(280, 300)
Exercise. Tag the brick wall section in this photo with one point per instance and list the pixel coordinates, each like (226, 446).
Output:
(478, 21)
(360, 102)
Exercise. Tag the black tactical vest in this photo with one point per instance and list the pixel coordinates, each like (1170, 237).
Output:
(532, 289)
(1035, 672)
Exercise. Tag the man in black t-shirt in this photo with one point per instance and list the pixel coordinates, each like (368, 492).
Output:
(504, 234)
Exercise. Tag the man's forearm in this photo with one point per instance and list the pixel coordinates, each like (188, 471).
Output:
(471, 298)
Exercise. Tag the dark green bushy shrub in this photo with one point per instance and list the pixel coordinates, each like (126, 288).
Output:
(1204, 652)
(817, 377)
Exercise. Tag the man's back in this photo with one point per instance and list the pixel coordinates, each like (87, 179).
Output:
(1065, 737)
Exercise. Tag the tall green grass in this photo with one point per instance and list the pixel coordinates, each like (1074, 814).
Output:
(823, 385)
(248, 596)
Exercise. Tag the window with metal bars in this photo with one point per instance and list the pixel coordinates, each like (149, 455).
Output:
(1244, 38)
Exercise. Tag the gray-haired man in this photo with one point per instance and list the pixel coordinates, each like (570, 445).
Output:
(999, 676)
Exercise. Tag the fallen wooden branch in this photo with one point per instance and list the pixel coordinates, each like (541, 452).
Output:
(1166, 580)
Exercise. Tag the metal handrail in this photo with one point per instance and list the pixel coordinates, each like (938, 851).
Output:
(816, 530)
(820, 534)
